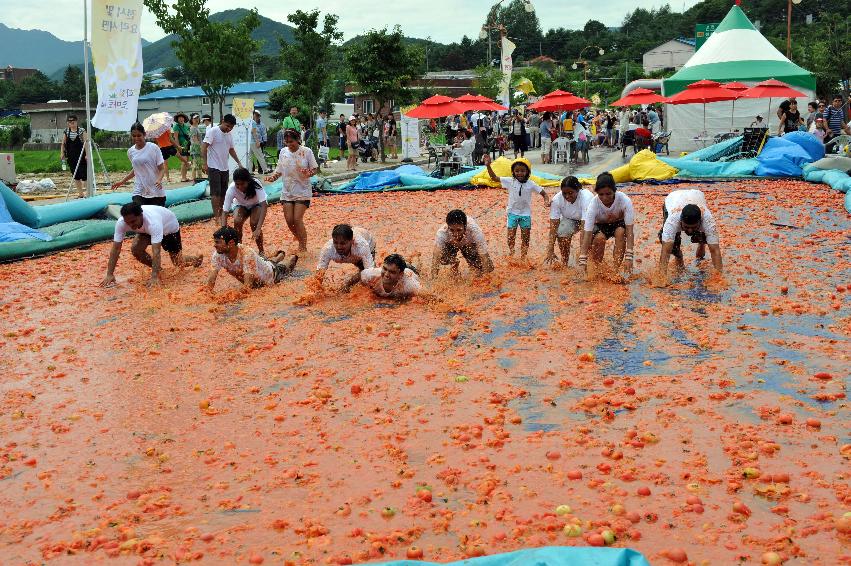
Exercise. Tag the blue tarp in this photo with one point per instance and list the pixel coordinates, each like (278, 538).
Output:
(11, 231)
(547, 556)
(811, 144)
(689, 168)
(781, 157)
(373, 180)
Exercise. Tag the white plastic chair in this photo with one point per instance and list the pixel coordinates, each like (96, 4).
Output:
(561, 149)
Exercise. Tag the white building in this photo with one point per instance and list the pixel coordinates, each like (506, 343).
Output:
(672, 54)
(192, 99)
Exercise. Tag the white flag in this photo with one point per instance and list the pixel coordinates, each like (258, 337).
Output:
(507, 66)
(117, 57)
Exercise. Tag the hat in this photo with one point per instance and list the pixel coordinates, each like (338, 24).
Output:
(352, 118)
(523, 161)
(179, 114)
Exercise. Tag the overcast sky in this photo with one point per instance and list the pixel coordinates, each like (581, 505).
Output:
(442, 20)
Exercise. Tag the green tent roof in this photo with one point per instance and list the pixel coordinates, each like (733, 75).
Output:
(736, 51)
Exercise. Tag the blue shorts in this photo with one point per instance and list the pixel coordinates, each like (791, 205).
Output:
(525, 222)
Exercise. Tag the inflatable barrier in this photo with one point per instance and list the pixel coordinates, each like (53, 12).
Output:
(547, 556)
(77, 231)
(11, 231)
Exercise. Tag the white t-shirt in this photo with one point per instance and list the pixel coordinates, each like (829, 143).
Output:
(233, 194)
(675, 202)
(220, 144)
(560, 208)
(296, 187)
(363, 247)
(408, 284)
(146, 163)
(621, 209)
(473, 235)
(157, 221)
(519, 195)
(246, 260)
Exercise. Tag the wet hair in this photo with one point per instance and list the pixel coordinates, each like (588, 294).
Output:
(343, 231)
(572, 182)
(293, 134)
(131, 209)
(690, 214)
(397, 260)
(227, 234)
(243, 174)
(605, 180)
(456, 217)
(137, 127)
(229, 119)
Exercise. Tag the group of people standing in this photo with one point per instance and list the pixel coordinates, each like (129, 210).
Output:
(359, 136)
(825, 121)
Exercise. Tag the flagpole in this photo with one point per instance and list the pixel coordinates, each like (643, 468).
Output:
(90, 164)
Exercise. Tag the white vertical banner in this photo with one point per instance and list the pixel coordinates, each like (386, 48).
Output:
(243, 109)
(507, 67)
(410, 135)
(117, 56)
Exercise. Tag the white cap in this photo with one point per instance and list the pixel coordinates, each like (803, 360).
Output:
(352, 118)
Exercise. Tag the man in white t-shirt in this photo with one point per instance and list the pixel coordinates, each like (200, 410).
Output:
(393, 280)
(609, 215)
(244, 263)
(347, 245)
(217, 146)
(155, 226)
(460, 234)
(566, 212)
(686, 211)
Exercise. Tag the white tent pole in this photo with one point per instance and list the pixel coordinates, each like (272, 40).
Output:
(90, 164)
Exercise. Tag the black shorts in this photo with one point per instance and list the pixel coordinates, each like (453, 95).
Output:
(306, 203)
(156, 201)
(608, 230)
(219, 181)
(168, 151)
(172, 243)
(449, 254)
(519, 142)
(677, 251)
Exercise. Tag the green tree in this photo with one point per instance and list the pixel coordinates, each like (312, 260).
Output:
(33, 89)
(73, 85)
(383, 65)
(217, 54)
(148, 86)
(522, 26)
(307, 63)
(177, 76)
(487, 81)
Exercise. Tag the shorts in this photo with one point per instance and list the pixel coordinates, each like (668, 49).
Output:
(246, 210)
(342, 143)
(168, 151)
(567, 227)
(608, 230)
(519, 141)
(525, 222)
(155, 201)
(449, 254)
(546, 144)
(280, 271)
(172, 243)
(219, 181)
(306, 203)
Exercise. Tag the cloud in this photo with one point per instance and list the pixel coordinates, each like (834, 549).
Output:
(442, 20)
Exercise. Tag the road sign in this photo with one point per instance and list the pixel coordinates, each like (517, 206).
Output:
(702, 33)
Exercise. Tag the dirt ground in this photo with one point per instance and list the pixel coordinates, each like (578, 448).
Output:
(705, 422)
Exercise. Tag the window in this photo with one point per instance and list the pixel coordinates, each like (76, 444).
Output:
(368, 106)
(205, 101)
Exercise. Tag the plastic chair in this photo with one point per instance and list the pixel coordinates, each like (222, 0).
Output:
(561, 150)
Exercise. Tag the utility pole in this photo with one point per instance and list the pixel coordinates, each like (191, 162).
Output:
(90, 158)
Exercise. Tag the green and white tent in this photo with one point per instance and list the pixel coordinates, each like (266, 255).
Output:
(736, 51)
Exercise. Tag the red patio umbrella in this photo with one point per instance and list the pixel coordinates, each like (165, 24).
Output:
(478, 102)
(640, 96)
(702, 92)
(437, 106)
(735, 87)
(560, 100)
(769, 89)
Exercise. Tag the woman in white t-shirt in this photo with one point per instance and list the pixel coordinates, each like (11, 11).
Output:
(567, 209)
(393, 280)
(296, 164)
(609, 215)
(148, 169)
(251, 205)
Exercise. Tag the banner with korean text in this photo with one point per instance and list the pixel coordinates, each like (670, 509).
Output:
(507, 67)
(243, 110)
(117, 57)
(410, 134)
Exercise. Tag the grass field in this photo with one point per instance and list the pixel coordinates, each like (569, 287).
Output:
(114, 159)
